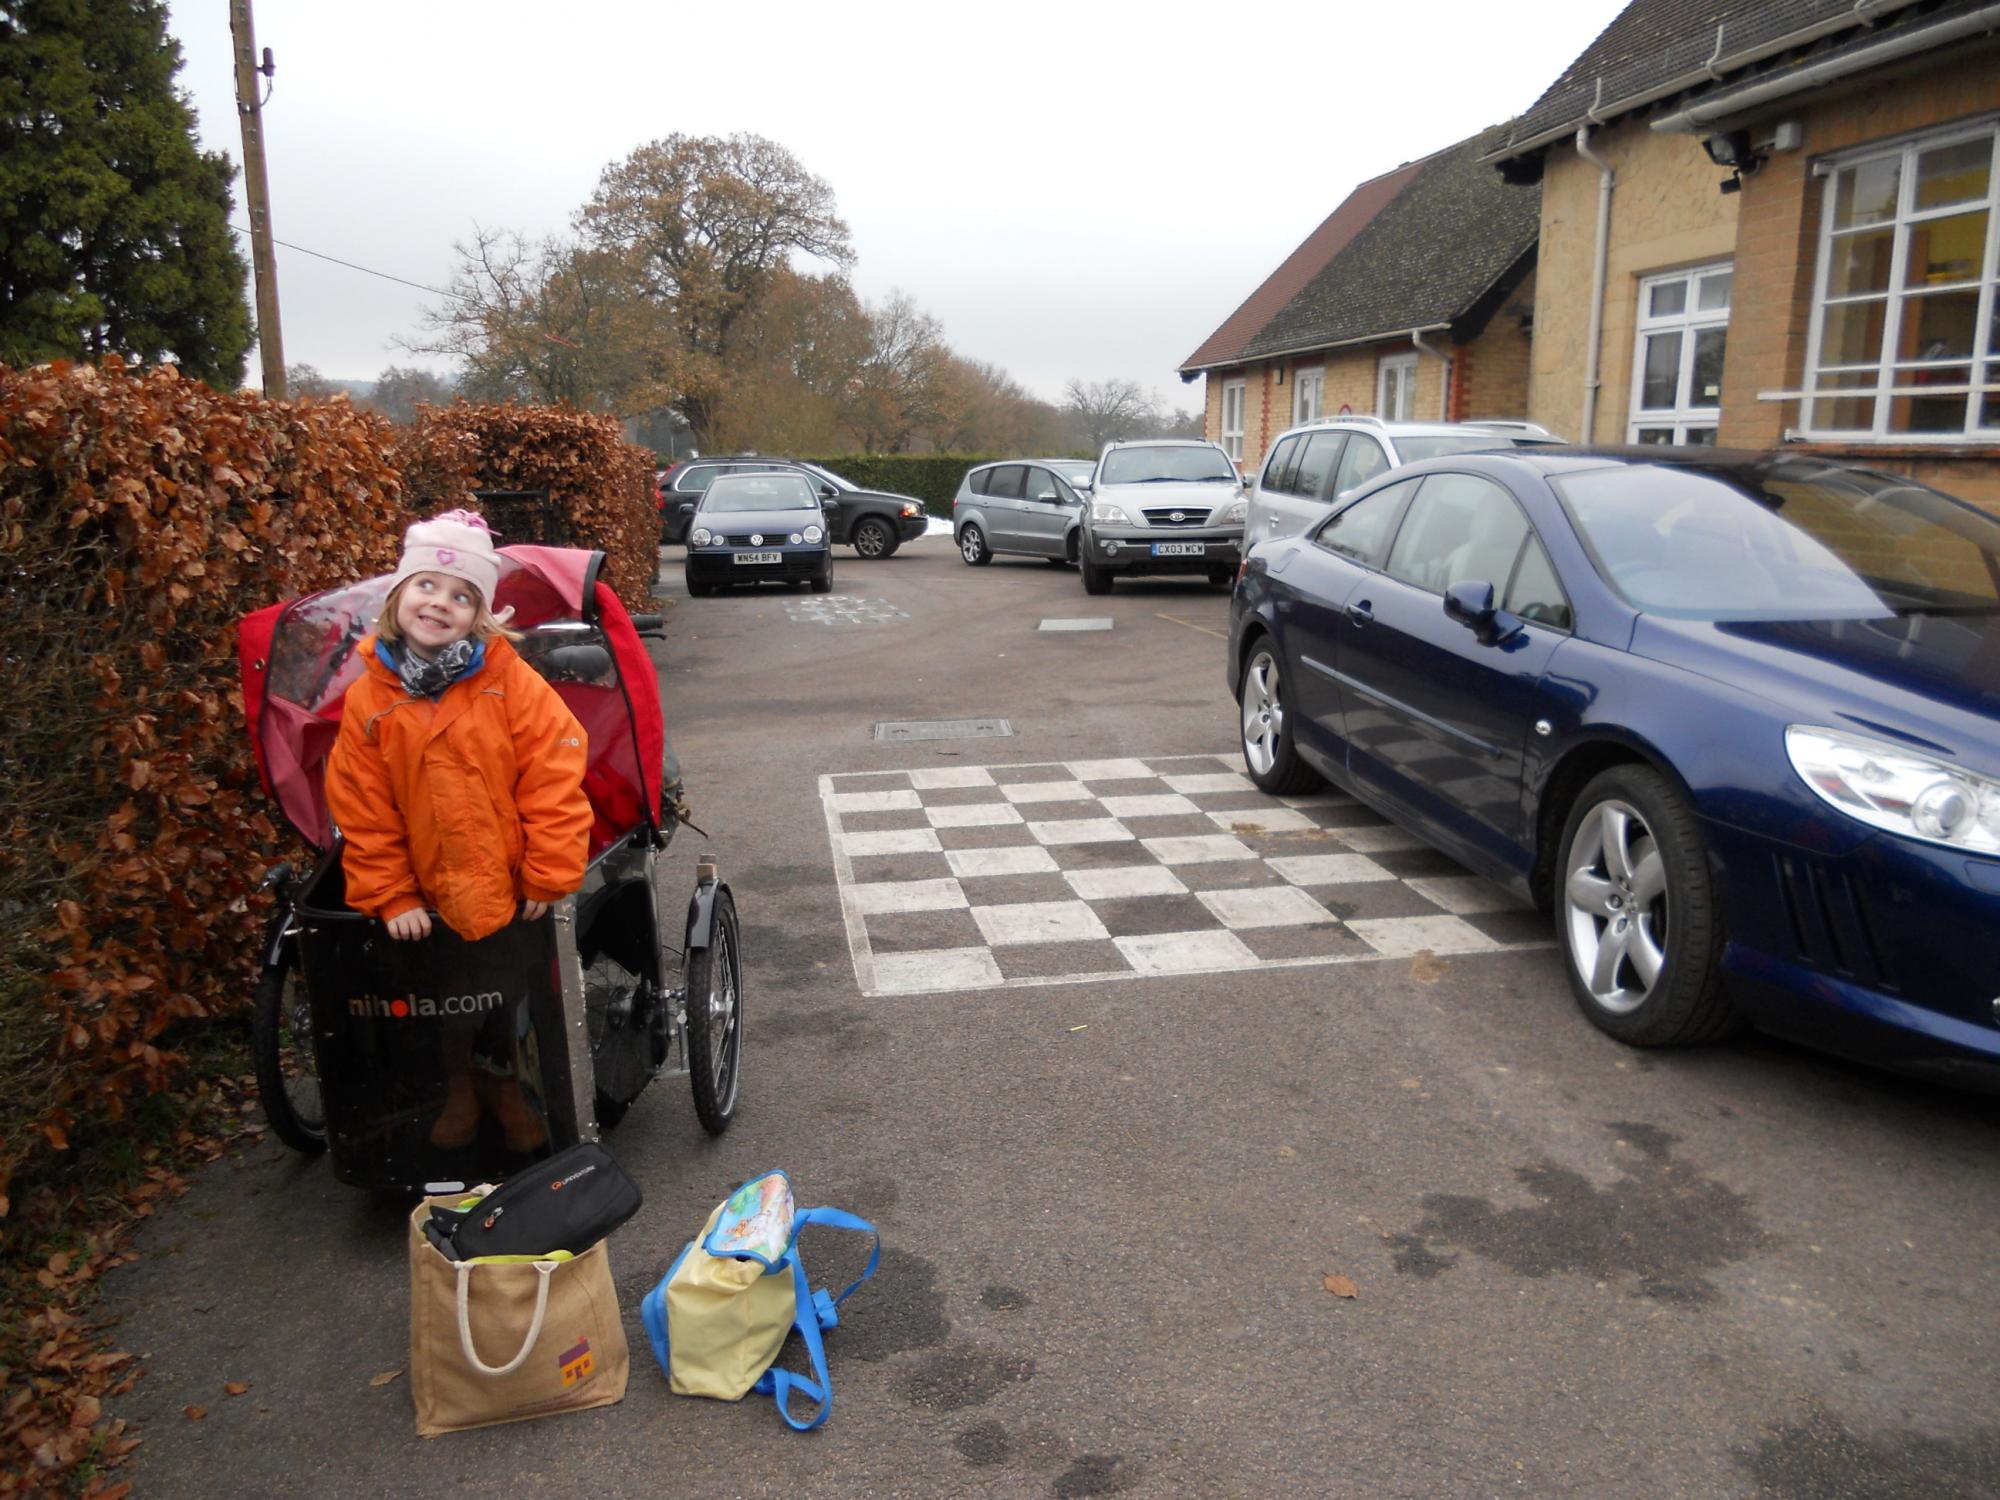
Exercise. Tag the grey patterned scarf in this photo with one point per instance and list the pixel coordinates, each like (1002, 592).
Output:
(426, 679)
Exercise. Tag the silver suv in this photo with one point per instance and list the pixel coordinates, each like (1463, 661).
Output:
(1312, 466)
(1161, 505)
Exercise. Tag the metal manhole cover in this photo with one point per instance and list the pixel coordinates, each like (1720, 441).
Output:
(944, 729)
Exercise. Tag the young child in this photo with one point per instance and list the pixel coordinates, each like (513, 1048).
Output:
(457, 777)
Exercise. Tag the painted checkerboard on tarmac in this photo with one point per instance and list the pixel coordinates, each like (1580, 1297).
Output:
(1057, 872)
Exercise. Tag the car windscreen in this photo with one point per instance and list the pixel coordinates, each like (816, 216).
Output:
(1786, 541)
(740, 492)
(1166, 465)
(1410, 449)
(1074, 469)
(830, 477)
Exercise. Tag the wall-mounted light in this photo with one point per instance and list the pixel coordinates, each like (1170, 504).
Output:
(1732, 149)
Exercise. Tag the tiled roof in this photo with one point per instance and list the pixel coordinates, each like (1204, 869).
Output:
(1656, 48)
(1226, 344)
(1427, 258)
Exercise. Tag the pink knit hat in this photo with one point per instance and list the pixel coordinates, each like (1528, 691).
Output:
(457, 543)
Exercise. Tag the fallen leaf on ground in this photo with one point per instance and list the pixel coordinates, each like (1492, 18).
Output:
(1286, 1151)
(1411, 1083)
(1340, 1286)
(386, 1376)
(1425, 968)
(235, 1387)
(1084, 1027)
(195, 1413)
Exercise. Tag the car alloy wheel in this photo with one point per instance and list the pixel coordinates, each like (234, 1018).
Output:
(972, 546)
(872, 540)
(1618, 906)
(1263, 714)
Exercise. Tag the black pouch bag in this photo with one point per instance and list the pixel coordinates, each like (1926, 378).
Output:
(568, 1201)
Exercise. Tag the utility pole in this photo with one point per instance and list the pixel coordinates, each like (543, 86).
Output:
(257, 195)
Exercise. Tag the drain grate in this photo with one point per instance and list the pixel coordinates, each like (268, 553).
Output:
(944, 729)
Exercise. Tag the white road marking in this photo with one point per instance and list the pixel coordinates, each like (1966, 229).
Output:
(1276, 820)
(1185, 952)
(876, 897)
(1046, 791)
(1028, 859)
(1329, 869)
(891, 841)
(1125, 880)
(972, 815)
(1080, 831)
(939, 778)
(855, 802)
(1209, 781)
(1399, 937)
(1198, 849)
(1158, 805)
(1264, 906)
(1039, 922)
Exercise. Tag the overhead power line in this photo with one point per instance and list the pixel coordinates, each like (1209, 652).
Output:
(364, 270)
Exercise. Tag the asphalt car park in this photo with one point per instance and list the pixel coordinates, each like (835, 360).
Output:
(1124, 1192)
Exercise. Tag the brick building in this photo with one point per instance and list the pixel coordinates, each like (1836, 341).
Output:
(1411, 300)
(1775, 221)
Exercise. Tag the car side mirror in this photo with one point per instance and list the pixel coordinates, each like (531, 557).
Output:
(1084, 485)
(1471, 604)
(827, 492)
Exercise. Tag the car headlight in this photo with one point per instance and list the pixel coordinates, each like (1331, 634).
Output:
(1104, 510)
(1903, 791)
(814, 534)
(1232, 516)
(913, 509)
(701, 536)
(796, 537)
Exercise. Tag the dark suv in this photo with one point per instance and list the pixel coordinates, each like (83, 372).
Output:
(874, 524)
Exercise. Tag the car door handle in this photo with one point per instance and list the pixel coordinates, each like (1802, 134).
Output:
(1361, 614)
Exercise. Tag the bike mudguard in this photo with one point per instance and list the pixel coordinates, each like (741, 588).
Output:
(701, 912)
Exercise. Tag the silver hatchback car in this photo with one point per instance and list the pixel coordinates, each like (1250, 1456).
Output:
(1025, 505)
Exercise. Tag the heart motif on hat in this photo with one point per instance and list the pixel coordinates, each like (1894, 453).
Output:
(447, 556)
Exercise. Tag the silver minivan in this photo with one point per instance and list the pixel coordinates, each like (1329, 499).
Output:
(1309, 468)
(1028, 506)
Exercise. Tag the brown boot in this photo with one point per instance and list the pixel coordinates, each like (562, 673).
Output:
(459, 1122)
(524, 1128)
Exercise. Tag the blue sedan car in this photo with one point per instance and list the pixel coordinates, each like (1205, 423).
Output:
(750, 528)
(1731, 717)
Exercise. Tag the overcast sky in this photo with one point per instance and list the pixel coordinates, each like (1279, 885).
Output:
(1073, 189)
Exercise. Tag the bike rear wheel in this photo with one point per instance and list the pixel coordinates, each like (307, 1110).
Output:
(281, 1041)
(714, 1033)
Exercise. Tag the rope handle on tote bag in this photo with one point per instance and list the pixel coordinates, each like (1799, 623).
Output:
(546, 1269)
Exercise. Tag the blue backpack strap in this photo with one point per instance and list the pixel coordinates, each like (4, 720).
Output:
(835, 1218)
(814, 1311)
(781, 1384)
(653, 1312)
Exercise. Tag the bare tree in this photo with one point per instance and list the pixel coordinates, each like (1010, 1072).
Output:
(1102, 411)
(897, 390)
(306, 380)
(398, 391)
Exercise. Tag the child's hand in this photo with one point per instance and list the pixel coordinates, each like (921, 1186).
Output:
(406, 925)
(534, 911)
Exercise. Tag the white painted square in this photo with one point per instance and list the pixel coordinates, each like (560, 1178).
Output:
(1157, 805)
(891, 841)
(940, 778)
(1264, 906)
(1329, 869)
(873, 898)
(1080, 831)
(1038, 922)
(1399, 937)
(1124, 880)
(1209, 781)
(1262, 820)
(1198, 849)
(1024, 859)
(1045, 791)
(936, 969)
(1108, 770)
(1384, 838)
(1465, 895)
(1232, 760)
(1186, 952)
(1318, 799)
(972, 815)
(857, 802)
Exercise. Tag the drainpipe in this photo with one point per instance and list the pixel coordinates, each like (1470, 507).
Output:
(1605, 181)
(1444, 382)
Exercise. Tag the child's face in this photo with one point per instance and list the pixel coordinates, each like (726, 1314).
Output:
(435, 609)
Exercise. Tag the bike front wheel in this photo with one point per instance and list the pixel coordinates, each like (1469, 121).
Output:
(287, 1080)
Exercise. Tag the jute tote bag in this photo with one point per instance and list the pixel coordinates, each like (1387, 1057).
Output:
(501, 1341)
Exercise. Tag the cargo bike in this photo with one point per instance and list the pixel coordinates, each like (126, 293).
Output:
(550, 1028)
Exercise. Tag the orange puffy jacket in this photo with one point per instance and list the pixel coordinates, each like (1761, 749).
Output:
(471, 803)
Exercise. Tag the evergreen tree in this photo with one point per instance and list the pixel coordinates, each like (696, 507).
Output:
(114, 225)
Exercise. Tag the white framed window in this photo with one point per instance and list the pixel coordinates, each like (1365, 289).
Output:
(1308, 392)
(1396, 387)
(1677, 361)
(1232, 419)
(1905, 338)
